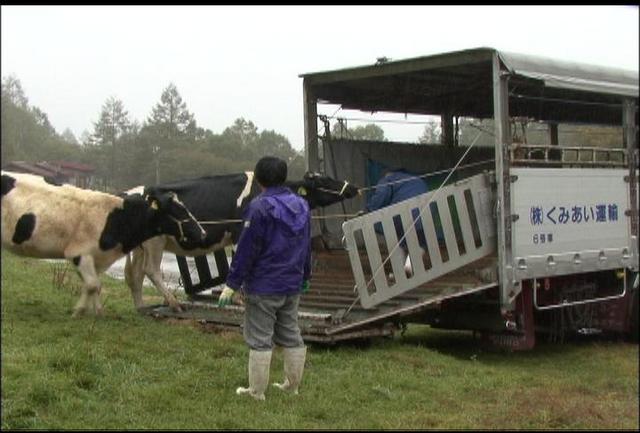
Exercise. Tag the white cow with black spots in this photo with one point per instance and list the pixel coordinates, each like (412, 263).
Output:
(93, 229)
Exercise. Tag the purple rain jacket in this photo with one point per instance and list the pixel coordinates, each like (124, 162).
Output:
(273, 254)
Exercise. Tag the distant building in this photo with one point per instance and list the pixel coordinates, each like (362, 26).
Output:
(73, 173)
(78, 174)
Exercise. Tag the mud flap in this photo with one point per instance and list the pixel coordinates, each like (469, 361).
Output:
(524, 338)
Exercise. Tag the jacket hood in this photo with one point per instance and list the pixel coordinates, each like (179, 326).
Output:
(288, 209)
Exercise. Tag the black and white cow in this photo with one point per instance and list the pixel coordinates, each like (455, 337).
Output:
(216, 199)
(93, 229)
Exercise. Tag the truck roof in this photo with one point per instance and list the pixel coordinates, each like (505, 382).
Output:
(460, 83)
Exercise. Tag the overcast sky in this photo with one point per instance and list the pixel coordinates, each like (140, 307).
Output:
(244, 61)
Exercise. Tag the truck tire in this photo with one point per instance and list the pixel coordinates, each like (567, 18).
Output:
(633, 331)
(632, 285)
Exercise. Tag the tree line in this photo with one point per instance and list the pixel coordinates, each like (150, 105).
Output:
(166, 146)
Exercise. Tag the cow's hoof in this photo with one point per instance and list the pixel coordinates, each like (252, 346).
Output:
(176, 307)
(78, 313)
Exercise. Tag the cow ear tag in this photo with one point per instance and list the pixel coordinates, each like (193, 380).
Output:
(154, 204)
(302, 191)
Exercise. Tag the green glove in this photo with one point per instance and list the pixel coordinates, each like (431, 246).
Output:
(305, 286)
(225, 297)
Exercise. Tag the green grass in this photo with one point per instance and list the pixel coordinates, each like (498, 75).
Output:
(128, 371)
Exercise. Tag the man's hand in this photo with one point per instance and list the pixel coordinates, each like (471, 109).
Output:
(305, 286)
(225, 296)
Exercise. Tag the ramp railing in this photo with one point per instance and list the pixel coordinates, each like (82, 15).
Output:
(452, 229)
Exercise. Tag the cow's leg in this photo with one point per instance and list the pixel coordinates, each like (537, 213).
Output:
(95, 301)
(90, 294)
(152, 269)
(408, 267)
(134, 275)
(147, 261)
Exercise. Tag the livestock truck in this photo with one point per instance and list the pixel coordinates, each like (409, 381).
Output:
(530, 226)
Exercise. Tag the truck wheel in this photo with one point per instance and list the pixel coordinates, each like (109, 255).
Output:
(635, 302)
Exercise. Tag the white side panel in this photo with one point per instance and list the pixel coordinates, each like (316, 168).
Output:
(570, 220)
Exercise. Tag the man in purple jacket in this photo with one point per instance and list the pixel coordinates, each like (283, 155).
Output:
(272, 265)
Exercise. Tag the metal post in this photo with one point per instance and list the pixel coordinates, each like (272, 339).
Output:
(630, 137)
(553, 134)
(508, 291)
(310, 128)
(446, 120)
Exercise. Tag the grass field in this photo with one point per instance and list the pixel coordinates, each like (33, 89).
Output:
(127, 371)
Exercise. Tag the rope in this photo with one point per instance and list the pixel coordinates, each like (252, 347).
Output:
(315, 217)
(413, 225)
(409, 122)
(346, 215)
(433, 173)
(565, 101)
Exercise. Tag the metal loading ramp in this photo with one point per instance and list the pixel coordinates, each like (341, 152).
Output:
(443, 231)
(332, 293)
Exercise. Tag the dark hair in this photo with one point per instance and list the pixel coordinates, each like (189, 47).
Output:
(271, 171)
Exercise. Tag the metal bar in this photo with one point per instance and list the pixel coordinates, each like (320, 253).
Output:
(354, 256)
(429, 230)
(403, 66)
(566, 148)
(412, 308)
(330, 297)
(570, 304)
(328, 304)
(630, 135)
(484, 203)
(212, 306)
(446, 120)
(447, 227)
(375, 260)
(465, 221)
(593, 151)
(412, 241)
(391, 239)
(322, 337)
(183, 266)
(310, 127)
(503, 183)
(568, 163)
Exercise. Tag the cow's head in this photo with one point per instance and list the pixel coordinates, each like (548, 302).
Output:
(320, 190)
(174, 218)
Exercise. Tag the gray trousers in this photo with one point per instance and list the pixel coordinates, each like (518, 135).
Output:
(271, 319)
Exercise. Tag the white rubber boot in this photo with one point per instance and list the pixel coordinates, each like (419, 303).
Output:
(293, 367)
(259, 363)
